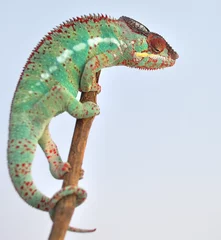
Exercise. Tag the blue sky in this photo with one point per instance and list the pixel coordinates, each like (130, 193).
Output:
(152, 164)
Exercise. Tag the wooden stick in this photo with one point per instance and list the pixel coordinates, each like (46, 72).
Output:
(65, 208)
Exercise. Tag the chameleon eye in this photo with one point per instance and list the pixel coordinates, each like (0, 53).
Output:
(157, 44)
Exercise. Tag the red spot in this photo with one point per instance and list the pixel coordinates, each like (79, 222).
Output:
(26, 193)
(17, 146)
(22, 187)
(49, 38)
(34, 192)
(27, 183)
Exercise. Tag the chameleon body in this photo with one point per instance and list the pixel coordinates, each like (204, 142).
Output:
(64, 62)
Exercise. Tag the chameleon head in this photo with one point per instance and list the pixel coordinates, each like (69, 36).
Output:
(158, 54)
(145, 49)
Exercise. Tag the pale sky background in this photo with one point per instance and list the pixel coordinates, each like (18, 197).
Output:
(153, 160)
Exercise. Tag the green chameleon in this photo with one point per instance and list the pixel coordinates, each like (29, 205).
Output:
(64, 62)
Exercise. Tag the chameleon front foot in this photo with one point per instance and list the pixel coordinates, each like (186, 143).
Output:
(90, 86)
(95, 87)
(90, 109)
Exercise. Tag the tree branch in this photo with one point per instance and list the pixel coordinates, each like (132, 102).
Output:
(65, 208)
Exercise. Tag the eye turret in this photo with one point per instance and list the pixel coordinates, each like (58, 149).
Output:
(157, 43)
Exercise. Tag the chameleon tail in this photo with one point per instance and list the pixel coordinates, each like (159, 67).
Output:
(69, 190)
(23, 139)
(79, 230)
(20, 172)
(20, 156)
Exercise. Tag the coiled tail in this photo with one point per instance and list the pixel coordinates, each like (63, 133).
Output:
(21, 149)
(81, 195)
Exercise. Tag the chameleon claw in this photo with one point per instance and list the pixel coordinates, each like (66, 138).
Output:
(66, 167)
(81, 174)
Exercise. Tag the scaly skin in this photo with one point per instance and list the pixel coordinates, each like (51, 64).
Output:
(64, 62)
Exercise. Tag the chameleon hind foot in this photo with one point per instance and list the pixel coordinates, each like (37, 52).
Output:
(81, 174)
(59, 169)
(81, 195)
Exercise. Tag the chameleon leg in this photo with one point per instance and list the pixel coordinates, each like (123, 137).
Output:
(58, 100)
(82, 110)
(94, 65)
(58, 168)
(65, 101)
(69, 190)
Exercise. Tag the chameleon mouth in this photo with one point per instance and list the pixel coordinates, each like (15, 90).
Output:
(166, 61)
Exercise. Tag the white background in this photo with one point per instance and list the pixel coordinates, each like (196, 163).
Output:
(152, 164)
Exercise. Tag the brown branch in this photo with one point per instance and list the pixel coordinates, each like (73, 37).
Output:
(65, 208)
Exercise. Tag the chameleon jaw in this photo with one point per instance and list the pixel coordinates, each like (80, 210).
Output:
(150, 55)
(140, 55)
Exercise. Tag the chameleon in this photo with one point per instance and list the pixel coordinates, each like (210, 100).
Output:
(62, 64)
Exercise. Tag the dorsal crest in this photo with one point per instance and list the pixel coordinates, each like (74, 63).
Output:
(135, 26)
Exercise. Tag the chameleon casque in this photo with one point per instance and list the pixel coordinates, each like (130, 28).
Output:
(64, 62)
